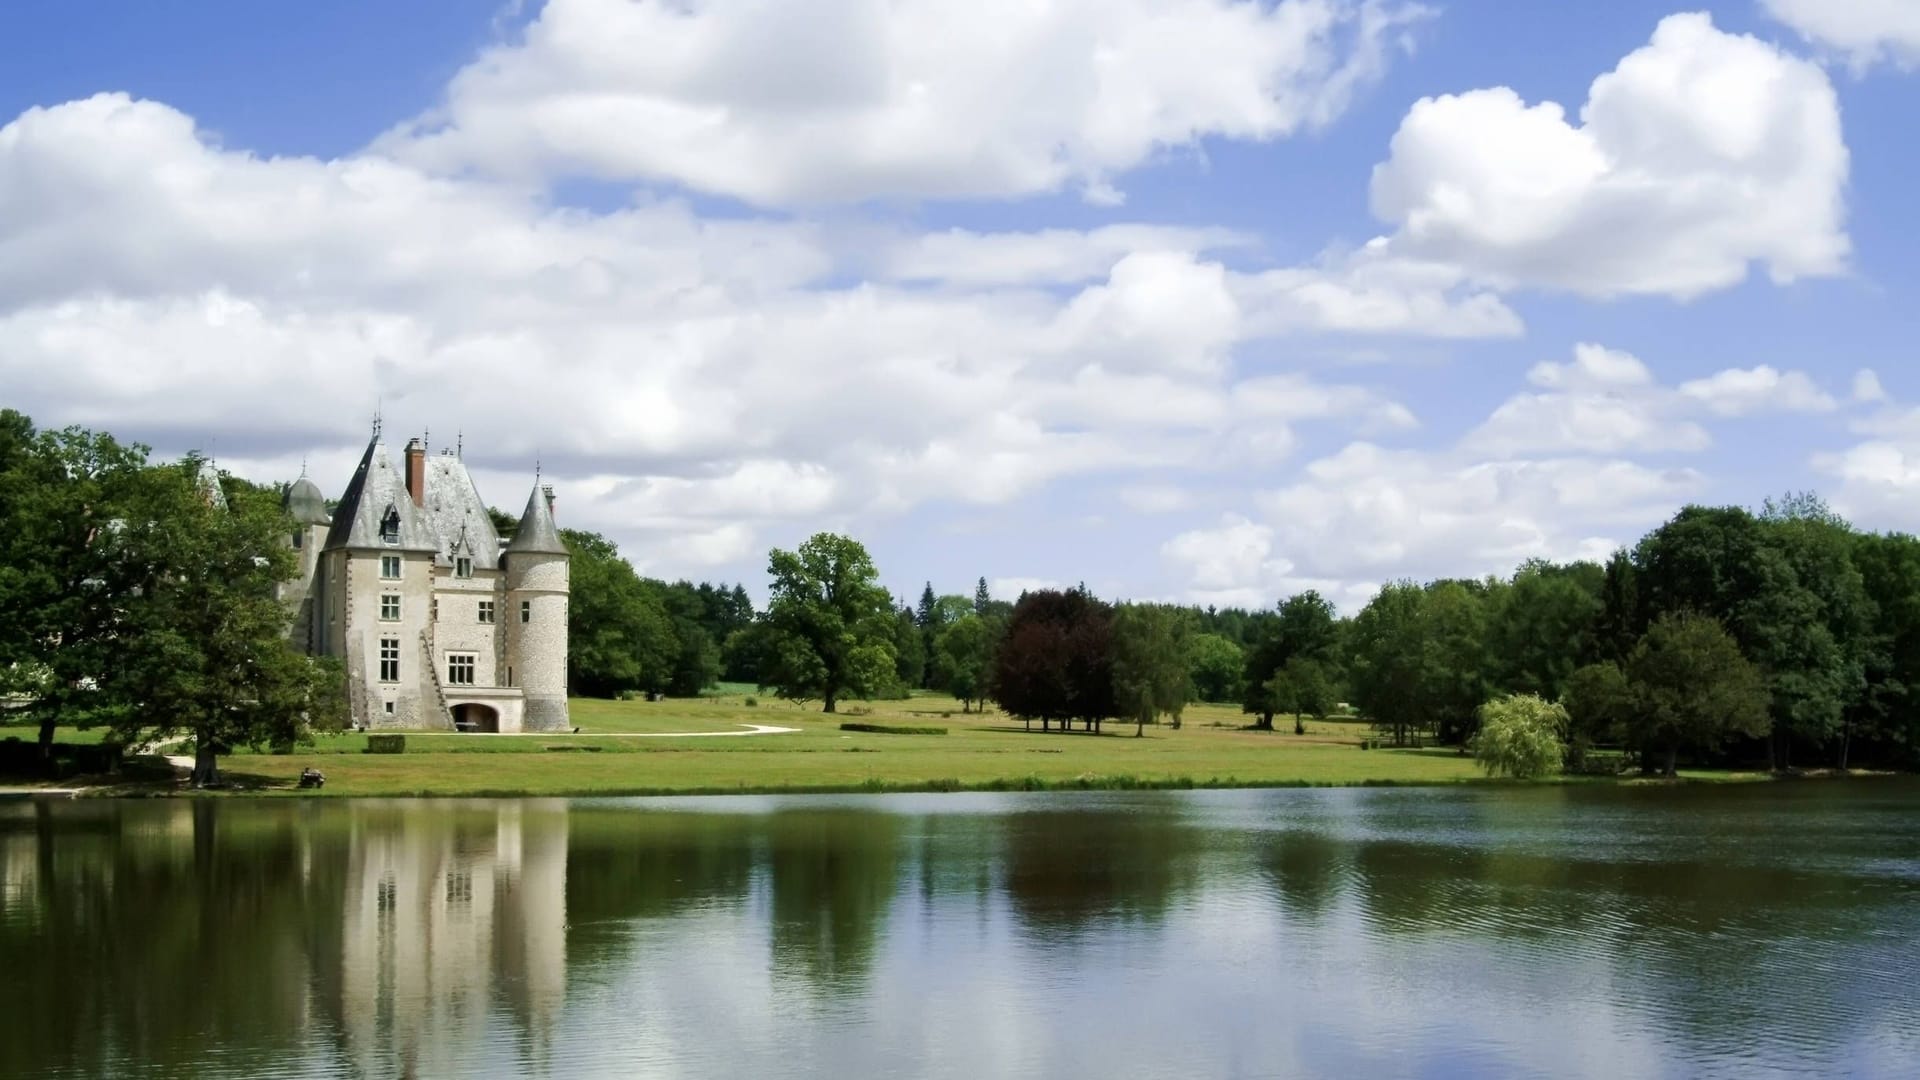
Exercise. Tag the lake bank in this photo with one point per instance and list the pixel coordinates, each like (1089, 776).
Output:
(721, 745)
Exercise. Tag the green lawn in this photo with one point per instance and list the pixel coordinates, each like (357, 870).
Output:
(979, 752)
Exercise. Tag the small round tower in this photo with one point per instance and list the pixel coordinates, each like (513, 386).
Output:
(307, 508)
(536, 616)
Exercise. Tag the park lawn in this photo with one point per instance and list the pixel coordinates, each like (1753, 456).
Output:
(988, 751)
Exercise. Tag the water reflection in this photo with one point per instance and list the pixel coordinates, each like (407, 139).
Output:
(1563, 932)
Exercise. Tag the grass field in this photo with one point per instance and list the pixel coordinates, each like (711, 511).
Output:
(979, 752)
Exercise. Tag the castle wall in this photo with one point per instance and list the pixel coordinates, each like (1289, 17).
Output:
(353, 590)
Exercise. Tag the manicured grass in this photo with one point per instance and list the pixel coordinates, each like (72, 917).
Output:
(988, 751)
(980, 752)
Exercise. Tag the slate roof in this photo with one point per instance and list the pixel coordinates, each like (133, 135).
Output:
(537, 533)
(459, 515)
(376, 489)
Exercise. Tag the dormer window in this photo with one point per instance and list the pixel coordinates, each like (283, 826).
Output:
(462, 566)
(390, 526)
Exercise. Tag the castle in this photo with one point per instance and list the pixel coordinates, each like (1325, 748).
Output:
(440, 623)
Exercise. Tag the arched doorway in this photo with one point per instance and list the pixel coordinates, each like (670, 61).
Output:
(471, 716)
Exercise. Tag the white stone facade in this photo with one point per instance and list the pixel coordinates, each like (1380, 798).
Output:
(440, 624)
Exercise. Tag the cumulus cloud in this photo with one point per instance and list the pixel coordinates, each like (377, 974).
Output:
(1556, 471)
(839, 100)
(1738, 392)
(1608, 402)
(1701, 155)
(1864, 32)
(688, 377)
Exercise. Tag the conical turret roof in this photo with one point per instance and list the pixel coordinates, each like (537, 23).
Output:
(537, 533)
(377, 512)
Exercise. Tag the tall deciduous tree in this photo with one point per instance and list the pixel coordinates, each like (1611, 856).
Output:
(963, 659)
(620, 636)
(1055, 661)
(68, 567)
(831, 622)
(1391, 658)
(1150, 647)
(206, 653)
(1303, 625)
(1692, 688)
(1214, 663)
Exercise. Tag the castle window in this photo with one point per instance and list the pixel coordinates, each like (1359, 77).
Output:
(526, 611)
(390, 607)
(486, 611)
(298, 538)
(390, 567)
(389, 662)
(460, 669)
(390, 526)
(389, 708)
(463, 567)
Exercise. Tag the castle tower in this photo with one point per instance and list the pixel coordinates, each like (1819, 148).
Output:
(537, 587)
(308, 509)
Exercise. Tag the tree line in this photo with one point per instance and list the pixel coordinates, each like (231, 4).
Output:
(1785, 636)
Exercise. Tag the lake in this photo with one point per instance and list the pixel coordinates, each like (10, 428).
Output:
(1745, 930)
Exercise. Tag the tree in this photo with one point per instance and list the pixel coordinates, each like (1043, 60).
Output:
(1886, 718)
(73, 555)
(206, 653)
(1301, 688)
(1391, 659)
(981, 598)
(1150, 648)
(1542, 625)
(1055, 661)
(910, 648)
(1453, 678)
(1213, 665)
(963, 659)
(1520, 736)
(1303, 625)
(832, 622)
(1692, 688)
(1599, 705)
(620, 636)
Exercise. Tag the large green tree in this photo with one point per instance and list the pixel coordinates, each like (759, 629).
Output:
(205, 653)
(1692, 689)
(1391, 657)
(69, 566)
(1150, 648)
(1214, 663)
(1304, 625)
(963, 658)
(619, 634)
(831, 623)
(1055, 661)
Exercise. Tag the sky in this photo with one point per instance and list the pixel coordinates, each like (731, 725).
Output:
(1210, 301)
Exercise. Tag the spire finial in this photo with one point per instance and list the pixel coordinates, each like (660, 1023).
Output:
(459, 444)
(303, 466)
(376, 418)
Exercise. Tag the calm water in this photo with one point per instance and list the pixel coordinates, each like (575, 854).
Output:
(1748, 931)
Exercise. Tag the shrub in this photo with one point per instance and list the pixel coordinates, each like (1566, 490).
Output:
(1520, 736)
(386, 744)
(752, 702)
(893, 729)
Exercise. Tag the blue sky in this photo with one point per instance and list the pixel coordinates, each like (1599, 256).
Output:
(1187, 299)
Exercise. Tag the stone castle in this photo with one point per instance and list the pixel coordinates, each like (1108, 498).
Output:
(439, 623)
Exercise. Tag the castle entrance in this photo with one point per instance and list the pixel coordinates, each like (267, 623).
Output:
(471, 716)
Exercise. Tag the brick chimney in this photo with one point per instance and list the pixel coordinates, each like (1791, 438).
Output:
(417, 471)
(547, 490)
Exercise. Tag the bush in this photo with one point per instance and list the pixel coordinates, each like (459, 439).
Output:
(386, 744)
(1602, 763)
(752, 702)
(1520, 736)
(893, 729)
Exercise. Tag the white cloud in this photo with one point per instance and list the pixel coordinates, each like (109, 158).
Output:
(1867, 388)
(1608, 402)
(1700, 155)
(1865, 32)
(1741, 392)
(838, 100)
(1010, 588)
(687, 377)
